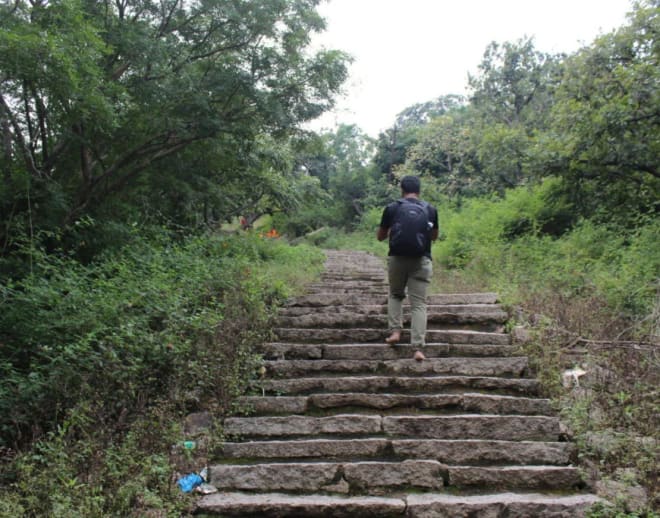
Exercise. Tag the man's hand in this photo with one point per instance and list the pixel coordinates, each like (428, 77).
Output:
(382, 233)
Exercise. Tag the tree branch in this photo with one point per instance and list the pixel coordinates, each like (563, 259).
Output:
(28, 158)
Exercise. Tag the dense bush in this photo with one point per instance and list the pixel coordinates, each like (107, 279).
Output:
(507, 241)
(100, 361)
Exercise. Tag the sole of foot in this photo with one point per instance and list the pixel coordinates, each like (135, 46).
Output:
(393, 338)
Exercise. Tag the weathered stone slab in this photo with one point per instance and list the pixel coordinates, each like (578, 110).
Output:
(327, 384)
(463, 298)
(518, 477)
(531, 428)
(485, 451)
(497, 404)
(343, 320)
(314, 448)
(375, 316)
(280, 351)
(466, 337)
(511, 366)
(274, 477)
(386, 401)
(364, 335)
(273, 505)
(274, 404)
(291, 368)
(417, 384)
(405, 351)
(475, 403)
(339, 309)
(495, 310)
(498, 505)
(349, 283)
(356, 298)
(453, 383)
(302, 425)
(419, 474)
(333, 299)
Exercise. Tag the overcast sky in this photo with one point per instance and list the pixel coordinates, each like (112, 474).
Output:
(410, 51)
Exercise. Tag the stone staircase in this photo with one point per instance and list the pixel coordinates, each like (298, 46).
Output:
(349, 426)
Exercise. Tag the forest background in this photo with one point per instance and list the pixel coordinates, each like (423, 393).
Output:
(134, 135)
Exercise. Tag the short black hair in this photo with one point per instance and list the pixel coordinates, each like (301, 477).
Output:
(410, 184)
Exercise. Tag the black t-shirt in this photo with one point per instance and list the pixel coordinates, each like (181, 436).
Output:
(388, 218)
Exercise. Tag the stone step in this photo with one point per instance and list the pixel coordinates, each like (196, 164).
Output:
(364, 275)
(358, 299)
(275, 505)
(515, 477)
(380, 476)
(332, 477)
(366, 290)
(417, 384)
(423, 505)
(498, 505)
(512, 366)
(473, 403)
(486, 452)
(468, 426)
(349, 284)
(349, 336)
(375, 316)
(381, 309)
(457, 452)
(293, 351)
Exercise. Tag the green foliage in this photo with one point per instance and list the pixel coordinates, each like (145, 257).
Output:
(604, 123)
(339, 161)
(181, 113)
(100, 361)
(513, 241)
(590, 284)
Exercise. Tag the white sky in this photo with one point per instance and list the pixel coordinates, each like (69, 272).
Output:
(410, 51)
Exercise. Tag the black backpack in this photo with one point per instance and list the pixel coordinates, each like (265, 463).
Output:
(410, 233)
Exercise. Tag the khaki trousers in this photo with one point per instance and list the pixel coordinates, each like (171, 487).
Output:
(413, 273)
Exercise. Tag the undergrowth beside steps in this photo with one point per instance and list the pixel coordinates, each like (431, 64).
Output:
(99, 363)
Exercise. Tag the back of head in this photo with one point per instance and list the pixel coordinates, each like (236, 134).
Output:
(410, 185)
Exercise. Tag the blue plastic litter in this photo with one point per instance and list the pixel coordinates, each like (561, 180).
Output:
(190, 482)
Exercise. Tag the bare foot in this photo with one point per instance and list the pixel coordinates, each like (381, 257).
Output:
(394, 337)
(419, 356)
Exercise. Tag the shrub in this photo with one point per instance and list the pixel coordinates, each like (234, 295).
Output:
(99, 362)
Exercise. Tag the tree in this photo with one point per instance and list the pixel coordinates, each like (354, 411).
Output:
(445, 151)
(605, 133)
(394, 143)
(95, 95)
(511, 97)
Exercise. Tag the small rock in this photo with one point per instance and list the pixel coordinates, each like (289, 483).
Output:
(198, 423)
(571, 377)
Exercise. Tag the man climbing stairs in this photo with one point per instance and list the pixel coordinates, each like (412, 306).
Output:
(346, 425)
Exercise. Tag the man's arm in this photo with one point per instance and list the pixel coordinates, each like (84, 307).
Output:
(382, 233)
(435, 231)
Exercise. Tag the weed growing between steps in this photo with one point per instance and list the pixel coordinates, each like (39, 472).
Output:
(99, 364)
